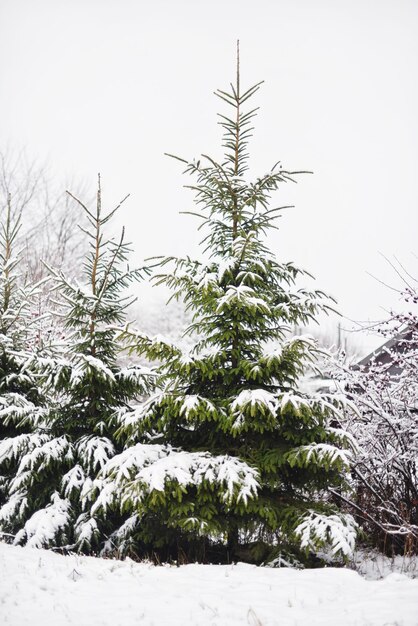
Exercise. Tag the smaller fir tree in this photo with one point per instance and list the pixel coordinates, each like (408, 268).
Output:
(56, 464)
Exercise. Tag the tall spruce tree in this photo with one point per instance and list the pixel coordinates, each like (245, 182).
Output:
(86, 385)
(236, 394)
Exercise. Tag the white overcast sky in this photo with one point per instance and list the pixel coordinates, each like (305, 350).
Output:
(110, 85)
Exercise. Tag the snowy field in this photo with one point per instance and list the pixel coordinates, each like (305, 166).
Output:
(39, 588)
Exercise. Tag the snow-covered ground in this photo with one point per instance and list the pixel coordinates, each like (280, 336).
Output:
(39, 588)
(374, 565)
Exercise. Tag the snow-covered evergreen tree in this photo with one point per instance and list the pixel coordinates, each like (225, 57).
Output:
(57, 462)
(20, 397)
(244, 455)
(18, 389)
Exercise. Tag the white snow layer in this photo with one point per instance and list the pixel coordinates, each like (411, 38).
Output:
(339, 530)
(39, 587)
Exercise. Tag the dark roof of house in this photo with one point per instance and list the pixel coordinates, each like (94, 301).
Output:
(385, 353)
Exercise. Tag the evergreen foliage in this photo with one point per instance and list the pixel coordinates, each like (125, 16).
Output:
(18, 387)
(234, 398)
(20, 397)
(58, 460)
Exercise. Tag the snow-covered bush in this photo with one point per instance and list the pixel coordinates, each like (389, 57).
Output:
(385, 390)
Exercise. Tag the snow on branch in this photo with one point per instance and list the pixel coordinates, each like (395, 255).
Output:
(121, 537)
(318, 530)
(85, 530)
(14, 447)
(87, 365)
(293, 402)
(73, 480)
(324, 454)
(255, 399)
(40, 458)
(191, 404)
(95, 451)
(243, 297)
(15, 506)
(46, 524)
